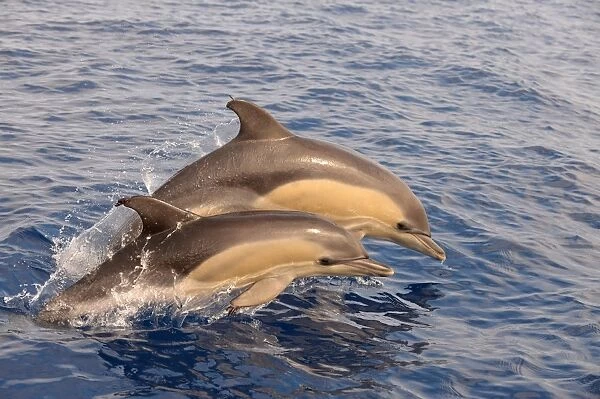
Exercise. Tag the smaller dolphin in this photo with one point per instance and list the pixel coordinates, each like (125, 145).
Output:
(180, 255)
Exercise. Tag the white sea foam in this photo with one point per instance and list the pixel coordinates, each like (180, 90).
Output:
(81, 254)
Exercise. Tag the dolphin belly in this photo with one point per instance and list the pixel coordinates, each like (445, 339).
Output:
(235, 268)
(332, 198)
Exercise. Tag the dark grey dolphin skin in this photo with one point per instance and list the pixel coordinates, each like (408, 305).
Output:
(259, 251)
(268, 167)
(156, 216)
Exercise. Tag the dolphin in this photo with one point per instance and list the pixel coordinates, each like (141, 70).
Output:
(268, 167)
(261, 252)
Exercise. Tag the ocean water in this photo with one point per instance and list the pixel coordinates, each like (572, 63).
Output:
(489, 110)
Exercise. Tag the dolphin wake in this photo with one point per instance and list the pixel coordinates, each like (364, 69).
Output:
(78, 255)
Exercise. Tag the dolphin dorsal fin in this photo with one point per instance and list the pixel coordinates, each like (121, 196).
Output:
(156, 215)
(256, 123)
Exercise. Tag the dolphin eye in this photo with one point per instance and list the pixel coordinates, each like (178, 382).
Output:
(402, 226)
(325, 261)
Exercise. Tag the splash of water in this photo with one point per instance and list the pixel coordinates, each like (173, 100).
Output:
(85, 252)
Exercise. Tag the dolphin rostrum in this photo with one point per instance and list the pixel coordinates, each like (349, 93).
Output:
(261, 252)
(267, 167)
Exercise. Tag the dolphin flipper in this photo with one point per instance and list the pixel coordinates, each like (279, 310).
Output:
(262, 291)
(357, 225)
(156, 215)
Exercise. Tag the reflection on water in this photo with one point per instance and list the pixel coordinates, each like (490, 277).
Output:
(324, 340)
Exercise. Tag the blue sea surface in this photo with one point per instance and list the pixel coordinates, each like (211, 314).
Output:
(489, 110)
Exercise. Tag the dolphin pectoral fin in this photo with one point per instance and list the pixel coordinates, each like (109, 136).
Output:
(262, 291)
(356, 226)
(156, 215)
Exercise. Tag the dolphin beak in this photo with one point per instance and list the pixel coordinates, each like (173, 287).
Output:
(370, 267)
(427, 246)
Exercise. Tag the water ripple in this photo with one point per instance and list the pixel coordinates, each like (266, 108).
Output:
(488, 111)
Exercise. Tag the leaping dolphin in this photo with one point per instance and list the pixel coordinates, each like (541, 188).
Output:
(267, 167)
(181, 255)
